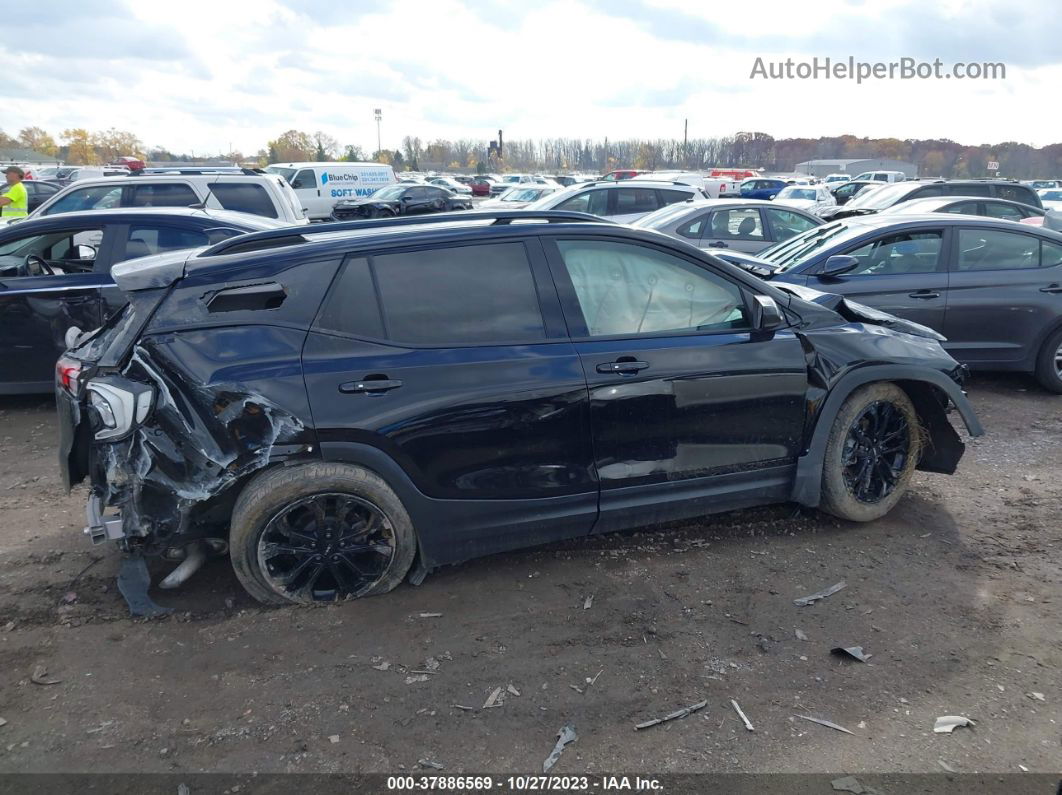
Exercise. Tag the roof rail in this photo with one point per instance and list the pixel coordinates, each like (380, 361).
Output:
(295, 235)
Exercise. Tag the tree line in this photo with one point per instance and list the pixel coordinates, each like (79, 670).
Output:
(934, 157)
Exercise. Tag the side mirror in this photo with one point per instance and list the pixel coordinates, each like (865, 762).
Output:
(768, 315)
(86, 252)
(838, 264)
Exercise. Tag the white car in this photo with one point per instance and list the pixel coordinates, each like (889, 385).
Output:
(506, 181)
(320, 185)
(1051, 198)
(623, 201)
(518, 196)
(450, 183)
(810, 198)
(836, 179)
(265, 195)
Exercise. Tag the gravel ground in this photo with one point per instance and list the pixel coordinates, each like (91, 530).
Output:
(956, 595)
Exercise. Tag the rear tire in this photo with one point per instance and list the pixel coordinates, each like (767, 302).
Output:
(1049, 363)
(319, 532)
(874, 446)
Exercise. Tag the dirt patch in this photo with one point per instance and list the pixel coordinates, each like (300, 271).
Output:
(956, 595)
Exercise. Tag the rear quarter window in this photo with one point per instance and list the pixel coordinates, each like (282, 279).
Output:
(244, 198)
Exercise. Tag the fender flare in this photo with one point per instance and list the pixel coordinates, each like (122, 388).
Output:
(807, 484)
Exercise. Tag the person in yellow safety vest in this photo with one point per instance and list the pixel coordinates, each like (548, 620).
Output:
(14, 203)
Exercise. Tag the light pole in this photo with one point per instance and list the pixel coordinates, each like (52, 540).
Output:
(378, 113)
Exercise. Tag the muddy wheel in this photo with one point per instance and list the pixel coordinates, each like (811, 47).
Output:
(319, 532)
(1049, 363)
(872, 452)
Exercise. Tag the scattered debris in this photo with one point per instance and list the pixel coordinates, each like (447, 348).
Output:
(592, 681)
(382, 666)
(946, 724)
(513, 690)
(576, 688)
(800, 634)
(744, 718)
(804, 601)
(589, 602)
(827, 723)
(848, 784)
(1036, 696)
(414, 678)
(431, 664)
(430, 763)
(855, 652)
(494, 699)
(462, 706)
(69, 598)
(3, 721)
(40, 677)
(679, 713)
(183, 789)
(946, 766)
(333, 738)
(565, 736)
(430, 615)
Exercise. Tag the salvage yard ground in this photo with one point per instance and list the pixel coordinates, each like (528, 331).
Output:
(957, 595)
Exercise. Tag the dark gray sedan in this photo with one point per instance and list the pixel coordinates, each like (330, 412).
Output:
(992, 287)
(748, 225)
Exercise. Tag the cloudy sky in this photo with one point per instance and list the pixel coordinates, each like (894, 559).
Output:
(204, 76)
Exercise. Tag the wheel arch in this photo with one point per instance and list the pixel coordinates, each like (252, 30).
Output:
(929, 390)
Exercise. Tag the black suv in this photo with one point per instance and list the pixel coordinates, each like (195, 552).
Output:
(897, 192)
(395, 200)
(340, 406)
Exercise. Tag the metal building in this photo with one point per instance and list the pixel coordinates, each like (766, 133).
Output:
(820, 168)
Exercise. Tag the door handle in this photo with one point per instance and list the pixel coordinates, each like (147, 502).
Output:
(719, 244)
(369, 386)
(925, 294)
(621, 367)
(1052, 288)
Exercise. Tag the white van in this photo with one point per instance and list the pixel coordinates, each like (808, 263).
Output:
(320, 185)
(881, 176)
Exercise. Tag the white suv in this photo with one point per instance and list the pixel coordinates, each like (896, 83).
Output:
(266, 195)
(624, 201)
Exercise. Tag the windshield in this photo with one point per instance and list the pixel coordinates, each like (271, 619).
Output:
(389, 193)
(665, 215)
(880, 198)
(794, 252)
(513, 179)
(522, 194)
(286, 173)
(797, 193)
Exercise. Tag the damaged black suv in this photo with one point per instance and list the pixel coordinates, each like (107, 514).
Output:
(344, 405)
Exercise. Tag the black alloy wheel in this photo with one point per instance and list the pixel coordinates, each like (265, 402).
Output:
(876, 452)
(326, 547)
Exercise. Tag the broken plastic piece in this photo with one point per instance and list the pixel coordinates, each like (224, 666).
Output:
(744, 718)
(133, 583)
(804, 601)
(494, 699)
(565, 736)
(848, 784)
(827, 723)
(40, 677)
(679, 713)
(946, 724)
(430, 763)
(855, 652)
(800, 634)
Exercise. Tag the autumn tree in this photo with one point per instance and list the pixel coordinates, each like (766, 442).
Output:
(353, 153)
(291, 146)
(38, 140)
(112, 144)
(79, 149)
(6, 141)
(325, 146)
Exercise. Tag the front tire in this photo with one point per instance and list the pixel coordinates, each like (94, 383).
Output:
(1049, 363)
(874, 446)
(319, 532)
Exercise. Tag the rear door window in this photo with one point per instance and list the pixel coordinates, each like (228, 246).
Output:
(634, 200)
(244, 198)
(482, 294)
(161, 194)
(785, 224)
(1005, 211)
(736, 223)
(1016, 193)
(667, 196)
(594, 202)
(967, 190)
(994, 250)
(143, 240)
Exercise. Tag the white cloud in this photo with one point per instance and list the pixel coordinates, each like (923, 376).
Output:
(199, 75)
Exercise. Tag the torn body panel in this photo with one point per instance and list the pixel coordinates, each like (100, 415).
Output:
(198, 440)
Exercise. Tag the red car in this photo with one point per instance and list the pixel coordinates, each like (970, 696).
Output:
(480, 186)
(620, 174)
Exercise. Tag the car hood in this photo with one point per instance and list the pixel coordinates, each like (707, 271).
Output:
(749, 262)
(363, 201)
(858, 313)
